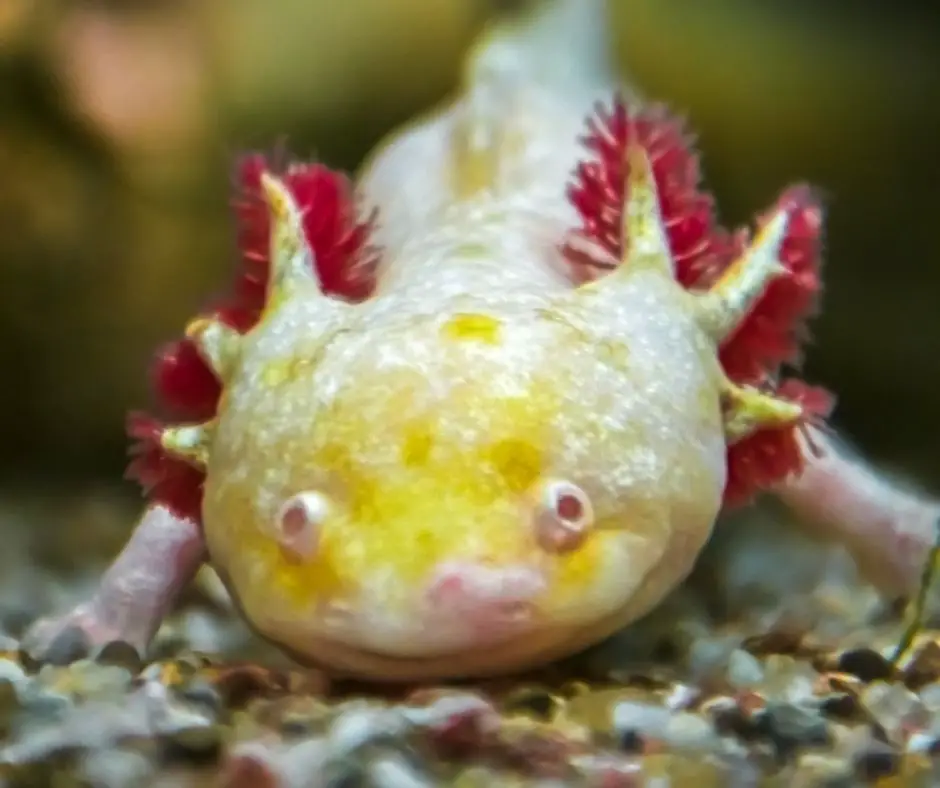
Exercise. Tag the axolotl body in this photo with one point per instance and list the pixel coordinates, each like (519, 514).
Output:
(494, 457)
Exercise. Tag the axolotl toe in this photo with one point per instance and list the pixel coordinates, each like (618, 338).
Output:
(489, 457)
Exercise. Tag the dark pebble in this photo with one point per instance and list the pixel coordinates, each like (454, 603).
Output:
(865, 663)
(838, 781)
(204, 695)
(27, 661)
(734, 721)
(15, 621)
(9, 705)
(631, 742)
(535, 702)
(295, 727)
(241, 683)
(791, 727)
(346, 774)
(69, 646)
(840, 706)
(120, 654)
(877, 761)
(200, 745)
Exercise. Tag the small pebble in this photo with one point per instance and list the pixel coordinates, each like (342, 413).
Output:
(820, 770)
(787, 679)
(790, 727)
(894, 706)
(840, 706)
(641, 718)
(631, 742)
(346, 773)
(8, 642)
(744, 670)
(710, 656)
(70, 645)
(10, 671)
(120, 654)
(536, 702)
(924, 668)
(116, 769)
(876, 761)
(395, 773)
(201, 693)
(196, 742)
(729, 718)
(865, 663)
(690, 732)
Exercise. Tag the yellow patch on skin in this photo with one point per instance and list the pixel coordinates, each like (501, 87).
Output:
(469, 326)
(279, 372)
(518, 461)
(443, 499)
(316, 580)
(577, 570)
(416, 445)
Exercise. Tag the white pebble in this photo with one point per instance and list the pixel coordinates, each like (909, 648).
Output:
(394, 773)
(744, 670)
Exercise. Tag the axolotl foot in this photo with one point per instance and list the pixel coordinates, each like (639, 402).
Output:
(60, 640)
(889, 531)
(161, 557)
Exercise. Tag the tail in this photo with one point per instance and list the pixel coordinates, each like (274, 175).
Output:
(560, 44)
(511, 133)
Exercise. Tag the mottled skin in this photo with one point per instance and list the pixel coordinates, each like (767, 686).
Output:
(430, 424)
(427, 424)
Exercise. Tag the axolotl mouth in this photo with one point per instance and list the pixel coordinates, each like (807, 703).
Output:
(464, 617)
(475, 621)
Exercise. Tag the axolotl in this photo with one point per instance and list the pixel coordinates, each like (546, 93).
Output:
(484, 408)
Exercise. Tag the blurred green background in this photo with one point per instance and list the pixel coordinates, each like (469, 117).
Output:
(119, 120)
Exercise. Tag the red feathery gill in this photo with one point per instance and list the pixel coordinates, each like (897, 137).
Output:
(773, 332)
(186, 388)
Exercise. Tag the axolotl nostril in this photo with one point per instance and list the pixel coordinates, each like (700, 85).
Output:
(497, 420)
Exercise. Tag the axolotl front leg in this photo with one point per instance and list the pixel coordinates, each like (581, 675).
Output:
(142, 584)
(889, 531)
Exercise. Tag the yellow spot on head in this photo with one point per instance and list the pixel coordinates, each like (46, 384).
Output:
(316, 580)
(468, 326)
(518, 462)
(577, 570)
(411, 490)
(416, 445)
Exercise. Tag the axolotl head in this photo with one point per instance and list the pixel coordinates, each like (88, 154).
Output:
(453, 492)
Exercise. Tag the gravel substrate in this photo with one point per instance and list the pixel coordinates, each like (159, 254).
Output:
(785, 682)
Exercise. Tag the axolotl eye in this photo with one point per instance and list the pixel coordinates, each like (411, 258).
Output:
(563, 517)
(299, 523)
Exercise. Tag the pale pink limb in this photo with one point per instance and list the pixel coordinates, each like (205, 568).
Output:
(888, 530)
(139, 588)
